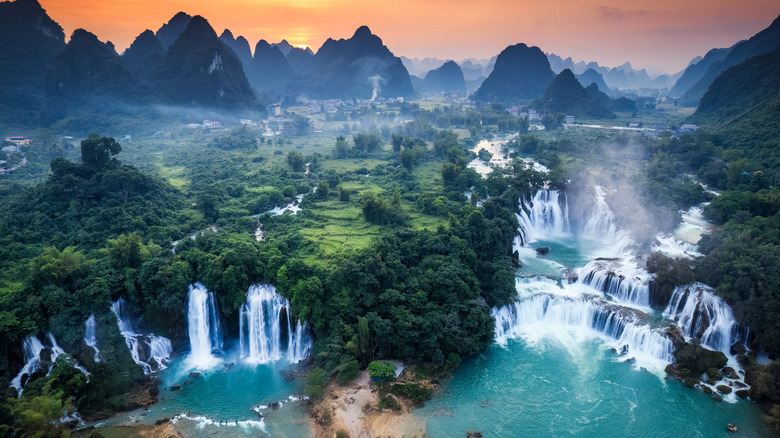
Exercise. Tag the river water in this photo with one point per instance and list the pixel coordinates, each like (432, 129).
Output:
(571, 360)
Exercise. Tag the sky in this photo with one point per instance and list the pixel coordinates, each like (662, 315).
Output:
(665, 34)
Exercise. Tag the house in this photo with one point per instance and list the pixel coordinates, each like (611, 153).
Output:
(661, 127)
(212, 124)
(688, 128)
(246, 122)
(18, 141)
(633, 125)
(568, 120)
(274, 110)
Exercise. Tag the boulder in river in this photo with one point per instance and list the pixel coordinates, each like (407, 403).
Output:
(543, 250)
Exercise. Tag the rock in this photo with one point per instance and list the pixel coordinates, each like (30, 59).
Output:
(194, 375)
(727, 371)
(739, 384)
(473, 434)
(723, 389)
(698, 359)
(714, 373)
(738, 349)
(742, 393)
(731, 427)
(631, 360)
(711, 382)
(675, 335)
(717, 398)
(706, 390)
(571, 276)
(176, 388)
(163, 421)
(274, 406)
(228, 366)
(543, 250)
(690, 382)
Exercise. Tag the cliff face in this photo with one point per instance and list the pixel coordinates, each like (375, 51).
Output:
(521, 73)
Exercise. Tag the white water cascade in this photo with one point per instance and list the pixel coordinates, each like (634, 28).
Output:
(601, 227)
(203, 327)
(90, 327)
(549, 307)
(546, 214)
(32, 347)
(701, 314)
(624, 281)
(148, 350)
(261, 338)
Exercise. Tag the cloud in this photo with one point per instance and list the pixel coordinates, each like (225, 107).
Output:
(610, 13)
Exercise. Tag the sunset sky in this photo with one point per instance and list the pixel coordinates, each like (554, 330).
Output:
(662, 33)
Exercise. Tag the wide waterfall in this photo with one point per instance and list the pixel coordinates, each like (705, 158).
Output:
(550, 307)
(263, 318)
(624, 282)
(545, 215)
(90, 327)
(148, 350)
(203, 327)
(701, 314)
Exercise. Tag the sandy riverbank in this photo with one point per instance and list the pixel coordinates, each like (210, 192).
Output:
(349, 413)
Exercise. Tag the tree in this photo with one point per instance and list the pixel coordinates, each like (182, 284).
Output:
(342, 147)
(296, 161)
(396, 140)
(96, 152)
(381, 371)
(367, 141)
(443, 140)
(344, 194)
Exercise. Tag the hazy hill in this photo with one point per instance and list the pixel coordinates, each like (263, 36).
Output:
(29, 42)
(300, 59)
(419, 67)
(361, 66)
(521, 73)
(566, 95)
(200, 70)
(758, 44)
(240, 47)
(591, 76)
(143, 55)
(448, 77)
(173, 28)
(695, 71)
(88, 78)
(269, 68)
(743, 91)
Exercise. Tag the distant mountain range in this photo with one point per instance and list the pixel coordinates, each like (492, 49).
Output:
(697, 78)
(184, 64)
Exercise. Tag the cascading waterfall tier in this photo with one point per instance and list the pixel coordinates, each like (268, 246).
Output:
(32, 348)
(263, 318)
(546, 215)
(540, 304)
(90, 328)
(148, 350)
(701, 314)
(622, 280)
(203, 327)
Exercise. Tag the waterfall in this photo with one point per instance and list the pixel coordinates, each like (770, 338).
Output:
(545, 215)
(148, 350)
(260, 328)
(601, 227)
(32, 348)
(622, 280)
(620, 325)
(90, 326)
(203, 324)
(701, 314)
